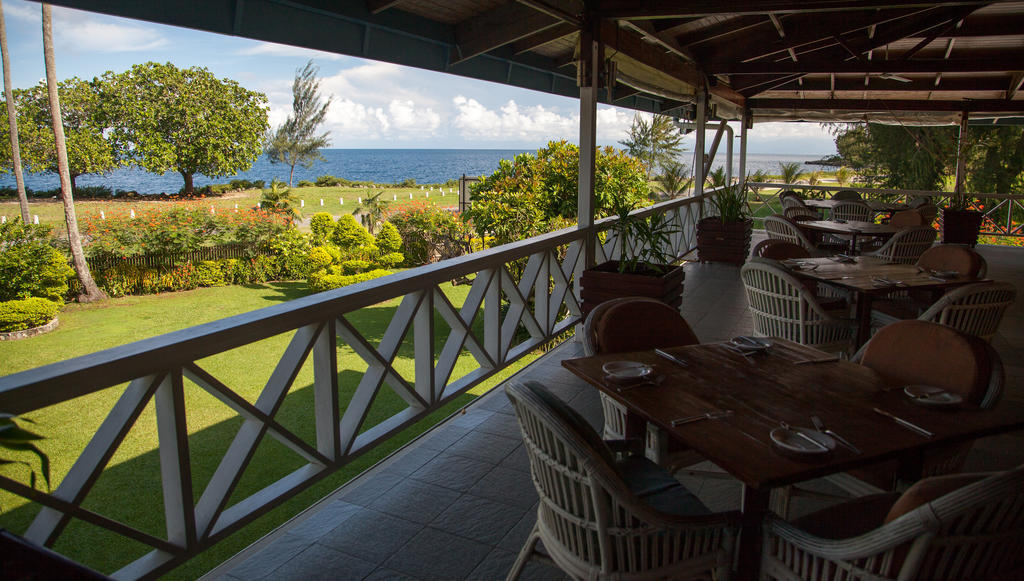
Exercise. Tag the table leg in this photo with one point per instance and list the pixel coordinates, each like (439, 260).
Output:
(853, 244)
(755, 505)
(863, 319)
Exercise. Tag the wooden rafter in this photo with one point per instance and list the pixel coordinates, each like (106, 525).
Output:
(539, 39)
(652, 9)
(495, 28)
(982, 105)
(378, 6)
(838, 83)
(1008, 62)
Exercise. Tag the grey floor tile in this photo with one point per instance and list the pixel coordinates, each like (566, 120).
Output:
(370, 535)
(497, 564)
(516, 537)
(384, 574)
(453, 472)
(517, 460)
(412, 460)
(435, 554)
(470, 418)
(368, 489)
(485, 447)
(264, 562)
(321, 562)
(495, 401)
(500, 425)
(506, 486)
(415, 501)
(443, 437)
(478, 519)
(325, 520)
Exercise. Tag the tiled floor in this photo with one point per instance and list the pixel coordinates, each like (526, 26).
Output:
(458, 503)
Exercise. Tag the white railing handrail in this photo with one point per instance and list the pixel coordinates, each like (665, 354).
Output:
(49, 384)
(881, 191)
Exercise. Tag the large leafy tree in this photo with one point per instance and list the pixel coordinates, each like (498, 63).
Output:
(298, 141)
(10, 110)
(656, 143)
(86, 127)
(186, 120)
(897, 156)
(997, 165)
(90, 292)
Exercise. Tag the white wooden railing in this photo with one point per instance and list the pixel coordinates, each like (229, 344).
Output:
(542, 300)
(1003, 213)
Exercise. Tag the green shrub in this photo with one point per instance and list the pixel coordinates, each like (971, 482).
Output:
(22, 314)
(321, 226)
(246, 184)
(390, 260)
(430, 233)
(352, 237)
(354, 266)
(388, 239)
(320, 282)
(319, 258)
(327, 181)
(29, 266)
(305, 184)
(209, 273)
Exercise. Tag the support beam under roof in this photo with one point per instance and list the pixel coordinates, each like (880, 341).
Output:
(652, 9)
(1010, 62)
(495, 28)
(881, 105)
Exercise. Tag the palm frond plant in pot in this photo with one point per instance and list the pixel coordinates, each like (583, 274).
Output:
(726, 236)
(645, 267)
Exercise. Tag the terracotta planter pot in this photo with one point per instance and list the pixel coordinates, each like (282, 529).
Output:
(604, 282)
(960, 226)
(719, 241)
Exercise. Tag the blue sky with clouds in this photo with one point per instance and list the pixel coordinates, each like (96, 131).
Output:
(375, 104)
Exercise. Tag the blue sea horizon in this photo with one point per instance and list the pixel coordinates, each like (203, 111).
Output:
(385, 166)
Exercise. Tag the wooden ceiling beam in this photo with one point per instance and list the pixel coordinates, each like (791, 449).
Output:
(497, 27)
(1015, 82)
(378, 6)
(730, 26)
(541, 38)
(1007, 62)
(880, 84)
(976, 105)
(656, 9)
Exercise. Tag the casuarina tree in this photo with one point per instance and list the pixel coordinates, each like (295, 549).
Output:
(186, 120)
(90, 292)
(13, 121)
(298, 141)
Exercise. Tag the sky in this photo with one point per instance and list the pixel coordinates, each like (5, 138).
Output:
(373, 104)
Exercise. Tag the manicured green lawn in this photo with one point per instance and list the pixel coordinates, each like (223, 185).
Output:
(336, 200)
(129, 488)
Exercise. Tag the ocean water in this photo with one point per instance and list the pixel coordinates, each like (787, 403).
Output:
(426, 166)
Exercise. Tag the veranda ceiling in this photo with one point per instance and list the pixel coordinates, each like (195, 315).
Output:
(819, 60)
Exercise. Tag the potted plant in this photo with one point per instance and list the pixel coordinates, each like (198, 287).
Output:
(960, 224)
(726, 237)
(645, 268)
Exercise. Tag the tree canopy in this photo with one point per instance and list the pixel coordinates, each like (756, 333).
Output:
(185, 120)
(296, 141)
(655, 143)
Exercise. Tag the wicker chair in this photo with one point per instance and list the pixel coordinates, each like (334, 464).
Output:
(974, 309)
(779, 250)
(781, 228)
(801, 212)
(909, 304)
(792, 202)
(906, 246)
(846, 195)
(928, 213)
(906, 218)
(782, 306)
(637, 324)
(974, 532)
(961, 258)
(851, 210)
(602, 519)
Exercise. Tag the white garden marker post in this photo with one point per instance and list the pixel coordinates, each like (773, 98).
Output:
(259, 205)
(35, 220)
(360, 198)
(394, 197)
(3, 219)
(103, 215)
(321, 201)
(236, 207)
(428, 194)
(302, 203)
(410, 195)
(212, 211)
(132, 214)
(341, 201)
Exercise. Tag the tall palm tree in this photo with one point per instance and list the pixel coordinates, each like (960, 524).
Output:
(12, 118)
(90, 292)
(676, 178)
(372, 210)
(790, 172)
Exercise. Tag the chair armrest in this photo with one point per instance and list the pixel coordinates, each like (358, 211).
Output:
(627, 446)
(884, 538)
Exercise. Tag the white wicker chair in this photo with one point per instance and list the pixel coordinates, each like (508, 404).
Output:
(792, 201)
(592, 523)
(851, 210)
(974, 532)
(975, 309)
(780, 228)
(783, 307)
(846, 195)
(906, 246)
(801, 211)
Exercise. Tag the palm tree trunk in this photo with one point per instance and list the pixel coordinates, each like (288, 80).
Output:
(12, 118)
(90, 292)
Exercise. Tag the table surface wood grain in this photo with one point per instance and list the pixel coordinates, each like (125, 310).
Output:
(861, 274)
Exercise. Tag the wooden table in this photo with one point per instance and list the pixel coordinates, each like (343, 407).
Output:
(873, 204)
(859, 276)
(851, 228)
(769, 388)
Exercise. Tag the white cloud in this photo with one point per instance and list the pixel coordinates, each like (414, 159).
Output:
(412, 120)
(792, 130)
(537, 123)
(80, 31)
(284, 50)
(613, 124)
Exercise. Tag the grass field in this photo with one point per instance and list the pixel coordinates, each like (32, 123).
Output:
(129, 488)
(336, 200)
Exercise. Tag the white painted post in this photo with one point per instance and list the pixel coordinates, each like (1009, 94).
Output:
(259, 204)
(394, 197)
(236, 206)
(428, 194)
(341, 201)
(421, 187)
(321, 201)
(3, 219)
(410, 195)
(302, 203)
(212, 210)
(698, 149)
(103, 215)
(35, 220)
(360, 198)
(132, 213)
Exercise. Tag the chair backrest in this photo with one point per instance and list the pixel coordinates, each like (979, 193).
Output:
(907, 218)
(975, 309)
(781, 306)
(779, 250)
(781, 228)
(846, 195)
(918, 201)
(591, 524)
(851, 210)
(792, 202)
(918, 352)
(962, 259)
(928, 213)
(798, 212)
(906, 246)
(789, 194)
(634, 324)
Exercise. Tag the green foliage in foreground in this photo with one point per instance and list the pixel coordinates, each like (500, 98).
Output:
(29, 266)
(24, 314)
(129, 488)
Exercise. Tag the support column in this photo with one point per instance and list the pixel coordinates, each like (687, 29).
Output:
(698, 148)
(589, 82)
(744, 124)
(728, 154)
(961, 155)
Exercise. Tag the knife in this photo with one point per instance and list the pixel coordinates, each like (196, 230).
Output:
(905, 423)
(671, 357)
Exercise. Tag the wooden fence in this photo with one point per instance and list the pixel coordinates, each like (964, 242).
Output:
(171, 260)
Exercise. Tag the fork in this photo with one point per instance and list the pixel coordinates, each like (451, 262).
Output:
(816, 443)
(820, 426)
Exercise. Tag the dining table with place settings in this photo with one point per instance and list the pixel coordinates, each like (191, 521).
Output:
(869, 277)
(784, 413)
(875, 205)
(850, 228)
